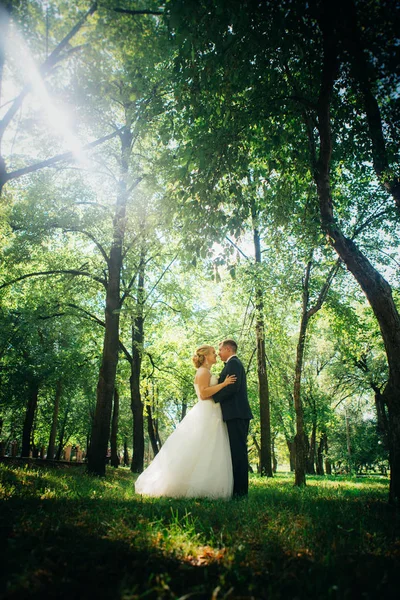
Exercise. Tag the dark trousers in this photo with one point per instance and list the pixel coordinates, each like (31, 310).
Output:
(238, 430)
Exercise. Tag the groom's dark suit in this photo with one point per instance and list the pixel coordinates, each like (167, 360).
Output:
(237, 414)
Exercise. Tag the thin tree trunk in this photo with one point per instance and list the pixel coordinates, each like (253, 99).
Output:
(29, 418)
(348, 443)
(320, 455)
(62, 433)
(374, 286)
(274, 459)
(108, 369)
(312, 450)
(184, 409)
(114, 431)
(292, 454)
(258, 448)
(137, 349)
(263, 388)
(152, 430)
(126, 454)
(300, 439)
(381, 416)
(53, 432)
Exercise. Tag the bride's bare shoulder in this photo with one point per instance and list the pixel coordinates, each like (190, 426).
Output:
(201, 374)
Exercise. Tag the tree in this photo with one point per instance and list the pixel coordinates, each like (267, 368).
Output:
(280, 84)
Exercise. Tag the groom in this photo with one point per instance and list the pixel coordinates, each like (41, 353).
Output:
(236, 413)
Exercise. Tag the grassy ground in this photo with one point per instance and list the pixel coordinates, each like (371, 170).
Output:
(67, 535)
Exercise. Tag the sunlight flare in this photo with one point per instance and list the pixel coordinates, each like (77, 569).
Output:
(57, 118)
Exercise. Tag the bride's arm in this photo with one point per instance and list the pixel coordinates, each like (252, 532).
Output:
(205, 389)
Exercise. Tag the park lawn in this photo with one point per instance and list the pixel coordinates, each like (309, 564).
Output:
(65, 534)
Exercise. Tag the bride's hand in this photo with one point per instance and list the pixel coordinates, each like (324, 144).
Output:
(229, 379)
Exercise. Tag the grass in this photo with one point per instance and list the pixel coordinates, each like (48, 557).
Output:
(68, 535)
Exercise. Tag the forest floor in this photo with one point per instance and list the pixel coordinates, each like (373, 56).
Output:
(65, 534)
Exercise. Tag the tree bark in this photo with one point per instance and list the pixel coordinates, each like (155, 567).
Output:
(320, 454)
(301, 441)
(62, 433)
(126, 454)
(374, 286)
(381, 417)
(364, 74)
(263, 388)
(312, 450)
(53, 432)
(137, 349)
(300, 437)
(152, 431)
(184, 409)
(114, 431)
(348, 443)
(29, 418)
(292, 454)
(108, 369)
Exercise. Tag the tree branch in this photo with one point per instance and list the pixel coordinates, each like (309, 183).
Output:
(55, 159)
(237, 247)
(91, 237)
(50, 61)
(325, 288)
(126, 11)
(55, 272)
(159, 279)
(88, 314)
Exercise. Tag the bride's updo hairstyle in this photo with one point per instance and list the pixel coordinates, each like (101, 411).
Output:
(199, 357)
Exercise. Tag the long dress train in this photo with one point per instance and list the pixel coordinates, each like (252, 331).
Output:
(195, 460)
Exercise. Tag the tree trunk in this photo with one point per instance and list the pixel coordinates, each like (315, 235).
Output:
(114, 431)
(382, 418)
(257, 445)
(274, 459)
(29, 418)
(53, 432)
(292, 454)
(108, 368)
(184, 409)
(152, 430)
(374, 286)
(312, 450)
(126, 454)
(320, 454)
(348, 443)
(300, 437)
(62, 433)
(137, 349)
(263, 388)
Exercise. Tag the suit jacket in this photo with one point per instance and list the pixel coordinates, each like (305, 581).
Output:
(233, 398)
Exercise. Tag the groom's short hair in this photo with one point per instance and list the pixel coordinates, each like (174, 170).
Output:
(231, 343)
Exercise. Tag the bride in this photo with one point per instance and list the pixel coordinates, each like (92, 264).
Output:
(195, 461)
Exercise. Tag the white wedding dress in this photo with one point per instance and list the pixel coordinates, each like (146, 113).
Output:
(195, 461)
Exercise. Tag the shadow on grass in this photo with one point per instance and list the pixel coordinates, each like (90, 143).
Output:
(81, 549)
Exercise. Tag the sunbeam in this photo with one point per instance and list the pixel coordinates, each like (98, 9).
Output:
(57, 119)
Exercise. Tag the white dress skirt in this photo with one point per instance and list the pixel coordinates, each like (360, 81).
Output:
(195, 460)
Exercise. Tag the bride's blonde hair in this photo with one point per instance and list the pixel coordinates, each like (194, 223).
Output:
(199, 357)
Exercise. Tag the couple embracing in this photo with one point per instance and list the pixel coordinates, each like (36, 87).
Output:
(206, 455)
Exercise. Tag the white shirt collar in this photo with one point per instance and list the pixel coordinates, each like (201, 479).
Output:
(231, 356)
